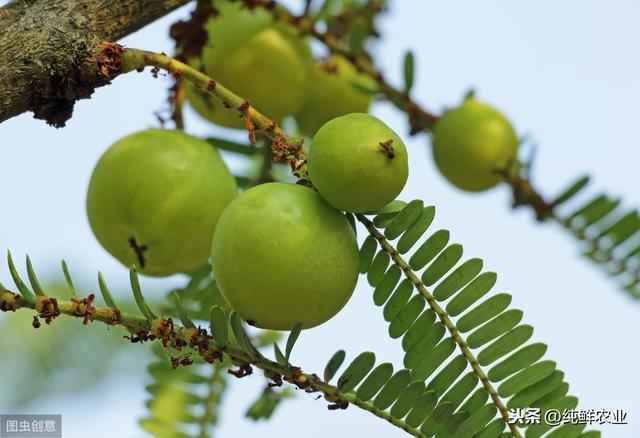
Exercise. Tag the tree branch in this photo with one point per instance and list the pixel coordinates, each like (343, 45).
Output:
(200, 341)
(52, 52)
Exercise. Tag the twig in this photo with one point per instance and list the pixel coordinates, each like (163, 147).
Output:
(198, 339)
(285, 147)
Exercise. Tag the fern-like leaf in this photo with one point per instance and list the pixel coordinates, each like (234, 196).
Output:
(434, 303)
(610, 234)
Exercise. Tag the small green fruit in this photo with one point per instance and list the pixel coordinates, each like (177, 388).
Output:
(335, 89)
(154, 200)
(472, 143)
(357, 163)
(282, 256)
(266, 63)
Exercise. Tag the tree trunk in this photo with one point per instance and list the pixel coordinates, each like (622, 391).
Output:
(54, 52)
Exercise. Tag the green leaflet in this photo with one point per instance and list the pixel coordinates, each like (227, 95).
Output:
(391, 208)
(422, 347)
(484, 312)
(22, 288)
(137, 294)
(445, 378)
(422, 408)
(398, 300)
(457, 279)
(333, 365)
(438, 355)
(378, 267)
(404, 219)
(492, 430)
(411, 236)
(594, 211)
(419, 328)
(182, 313)
(33, 279)
(452, 423)
(621, 229)
(494, 328)
(507, 343)
(401, 323)
(529, 395)
(241, 336)
(374, 381)
(392, 389)
(537, 430)
(408, 69)
(291, 340)
(517, 361)
(572, 190)
(279, 355)
(356, 371)
(407, 399)
(429, 249)
(476, 401)
(438, 418)
(106, 294)
(367, 251)
(67, 277)
(471, 293)
(525, 378)
(219, 326)
(385, 287)
(556, 394)
(476, 421)
(461, 389)
(442, 264)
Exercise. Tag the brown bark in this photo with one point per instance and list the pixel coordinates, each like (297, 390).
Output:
(54, 52)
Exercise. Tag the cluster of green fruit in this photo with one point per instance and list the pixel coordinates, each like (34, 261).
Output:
(282, 254)
(271, 66)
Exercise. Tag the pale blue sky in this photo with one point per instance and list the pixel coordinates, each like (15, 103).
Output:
(567, 73)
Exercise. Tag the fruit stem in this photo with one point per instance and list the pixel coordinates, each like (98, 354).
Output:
(284, 147)
(387, 148)
(387, 247)
(176, 336)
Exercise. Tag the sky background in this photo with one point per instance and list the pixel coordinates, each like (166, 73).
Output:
(566, 73)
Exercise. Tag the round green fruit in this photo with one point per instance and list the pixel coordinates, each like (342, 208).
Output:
(154, 200)
(357, 163)
(472, 143)
(335, 89)
(266, 63)
(282, 256)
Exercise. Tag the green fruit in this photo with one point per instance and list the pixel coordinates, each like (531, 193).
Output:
(282, 256)
(154, 200)
(357, 163)
(335, 89)
(266, 63)
(472, 143)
